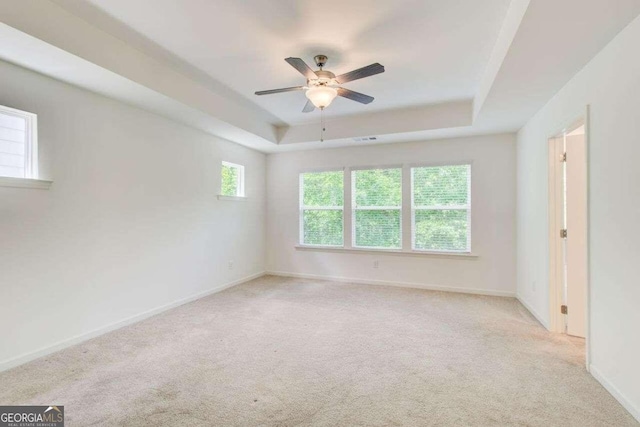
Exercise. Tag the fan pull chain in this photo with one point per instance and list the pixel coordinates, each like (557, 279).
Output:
(322, 125)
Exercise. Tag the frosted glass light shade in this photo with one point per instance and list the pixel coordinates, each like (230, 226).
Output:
(321, 96)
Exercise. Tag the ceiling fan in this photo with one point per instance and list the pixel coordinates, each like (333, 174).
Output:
(323, 86)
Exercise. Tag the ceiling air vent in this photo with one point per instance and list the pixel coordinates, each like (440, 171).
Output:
(365, 138)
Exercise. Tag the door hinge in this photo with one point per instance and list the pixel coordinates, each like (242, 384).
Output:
(564, 157)
(564, 309)
(563, 233)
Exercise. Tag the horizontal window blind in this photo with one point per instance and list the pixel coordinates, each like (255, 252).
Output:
(377, 208)
(441, 208)
(322, 208)
(13, 146)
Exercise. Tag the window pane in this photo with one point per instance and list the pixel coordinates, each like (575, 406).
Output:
(229, 181)
(13, 142)
(444, 230)
(378, 187)
(322, 227)
(441, 185)
(323, 189)
(377, 228)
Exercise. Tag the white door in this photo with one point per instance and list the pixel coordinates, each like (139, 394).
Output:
(576, 241)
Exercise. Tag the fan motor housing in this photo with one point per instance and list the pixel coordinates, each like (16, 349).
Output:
(322, 74)
(324, 77)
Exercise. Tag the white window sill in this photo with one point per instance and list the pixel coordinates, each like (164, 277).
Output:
(337, 249)
(236, 198)
(41, 184)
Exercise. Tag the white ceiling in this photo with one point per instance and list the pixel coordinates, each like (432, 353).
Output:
(454, 68)
(434, 51)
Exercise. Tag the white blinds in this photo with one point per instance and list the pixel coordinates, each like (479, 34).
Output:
(377, 208)
(13, 146)
(321, 208)
(441, 208)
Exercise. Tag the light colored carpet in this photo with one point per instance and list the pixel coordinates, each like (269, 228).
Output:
(284, 352)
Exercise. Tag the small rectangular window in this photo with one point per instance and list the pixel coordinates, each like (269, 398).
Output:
(232, 180)
(18, 144)
(377, 208)
(322, 208)
(441, 208)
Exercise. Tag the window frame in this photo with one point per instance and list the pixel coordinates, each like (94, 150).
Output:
(31, 171)
(302, 207)
(353, 206)
(406, 215)
(240, 179)
(467, 207)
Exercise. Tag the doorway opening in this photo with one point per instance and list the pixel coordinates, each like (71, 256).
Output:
(568, 216)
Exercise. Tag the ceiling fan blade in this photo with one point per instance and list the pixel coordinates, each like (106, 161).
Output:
(302, 67)
(308, 107)
(369, 70)
(286, 89)
(355, 96)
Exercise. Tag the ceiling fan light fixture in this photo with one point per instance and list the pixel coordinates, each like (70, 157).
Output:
(321, 96)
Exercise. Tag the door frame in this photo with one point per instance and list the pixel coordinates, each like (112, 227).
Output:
(555, 150)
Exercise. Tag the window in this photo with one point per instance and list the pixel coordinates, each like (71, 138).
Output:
(398, 209)
(441, 208)
(377, 208)
(321, 208)
(18, 144)
(232, 180)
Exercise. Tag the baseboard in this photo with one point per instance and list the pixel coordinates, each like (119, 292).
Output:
(396, 284)
(27, 357)
(617, 394)
(534, 313)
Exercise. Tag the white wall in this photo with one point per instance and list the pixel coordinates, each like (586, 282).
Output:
(493, 216)
(131, 223)
(610, 84)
